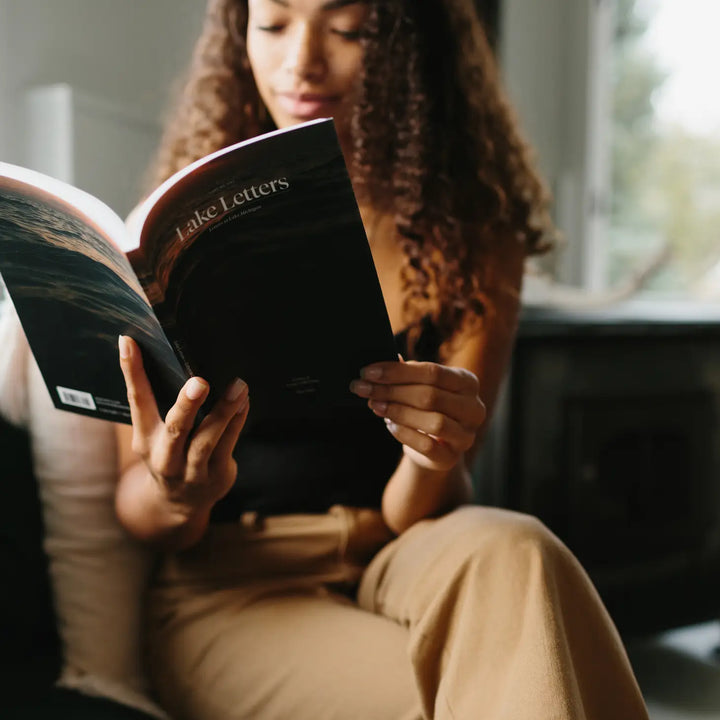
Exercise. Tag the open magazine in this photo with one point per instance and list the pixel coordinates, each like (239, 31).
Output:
(252, 262)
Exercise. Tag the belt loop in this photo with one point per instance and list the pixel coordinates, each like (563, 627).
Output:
(252, 520)
(344, 518)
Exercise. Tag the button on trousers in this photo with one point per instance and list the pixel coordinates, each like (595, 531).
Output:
(482, 613)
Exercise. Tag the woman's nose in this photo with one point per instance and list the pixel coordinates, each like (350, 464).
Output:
(306, 57)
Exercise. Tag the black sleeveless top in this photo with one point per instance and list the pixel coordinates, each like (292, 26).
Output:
(308, 468)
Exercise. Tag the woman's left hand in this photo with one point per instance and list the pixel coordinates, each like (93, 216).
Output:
(432, 409)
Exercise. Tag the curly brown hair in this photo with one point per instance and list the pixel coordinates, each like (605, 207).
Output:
(434, 142)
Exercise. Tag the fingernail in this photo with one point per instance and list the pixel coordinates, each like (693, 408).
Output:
(360, 388)
(243, 405)
(233, 392)
(390, 424)
(371, 373)
(123, 347)
(195, 388)
(379, 407)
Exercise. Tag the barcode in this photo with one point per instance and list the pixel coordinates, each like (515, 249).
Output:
(78, 398)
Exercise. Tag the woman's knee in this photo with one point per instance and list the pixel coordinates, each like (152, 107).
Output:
(478, 530)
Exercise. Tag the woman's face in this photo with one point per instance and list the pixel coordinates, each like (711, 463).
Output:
(306, 58)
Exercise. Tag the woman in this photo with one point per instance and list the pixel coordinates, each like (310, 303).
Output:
(401, 602)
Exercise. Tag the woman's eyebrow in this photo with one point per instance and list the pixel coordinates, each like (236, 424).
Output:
(329, 5)
(335, 4)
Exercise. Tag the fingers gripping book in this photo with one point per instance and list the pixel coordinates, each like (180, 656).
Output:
(252, 262)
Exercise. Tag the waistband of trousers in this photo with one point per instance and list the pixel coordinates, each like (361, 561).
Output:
(329, 547)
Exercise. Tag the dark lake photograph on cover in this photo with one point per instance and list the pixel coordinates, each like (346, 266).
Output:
(76, 291)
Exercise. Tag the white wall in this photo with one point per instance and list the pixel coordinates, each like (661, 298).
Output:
(127, 52)
(5, 66)
(551, 74)
(532, 55)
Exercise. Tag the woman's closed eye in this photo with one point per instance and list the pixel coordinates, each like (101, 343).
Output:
(351, 35)
(274, 28)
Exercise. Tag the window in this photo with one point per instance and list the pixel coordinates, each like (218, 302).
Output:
(664, 216)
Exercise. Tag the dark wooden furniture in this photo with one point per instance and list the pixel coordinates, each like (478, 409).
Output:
(609, 431)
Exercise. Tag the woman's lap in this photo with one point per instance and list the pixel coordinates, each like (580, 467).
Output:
(291, 654)
(482, 612)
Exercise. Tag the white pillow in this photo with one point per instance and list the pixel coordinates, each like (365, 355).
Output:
(98, 573)
(13, 365)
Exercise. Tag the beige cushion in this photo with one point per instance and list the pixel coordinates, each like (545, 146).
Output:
(14, 353)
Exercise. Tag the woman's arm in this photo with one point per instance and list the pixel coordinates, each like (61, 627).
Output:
(170, 472)
(438, 412)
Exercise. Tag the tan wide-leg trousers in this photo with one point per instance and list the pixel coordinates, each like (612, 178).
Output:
(480, 614)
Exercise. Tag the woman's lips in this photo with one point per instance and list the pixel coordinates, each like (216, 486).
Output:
(306, 106)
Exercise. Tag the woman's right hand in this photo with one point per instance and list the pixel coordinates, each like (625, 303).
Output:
(193, 468)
